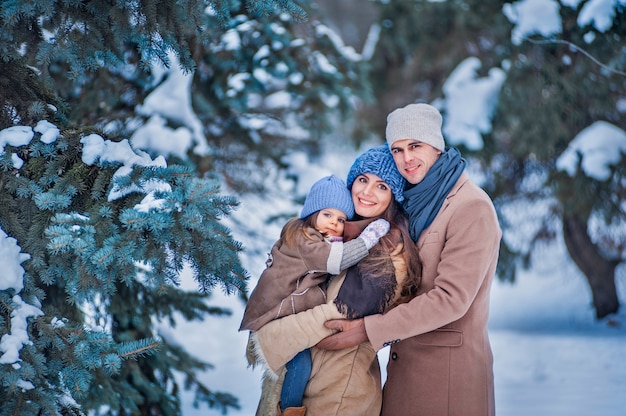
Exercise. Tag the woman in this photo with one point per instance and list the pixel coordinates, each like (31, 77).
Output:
(310, 249)
(347, 382)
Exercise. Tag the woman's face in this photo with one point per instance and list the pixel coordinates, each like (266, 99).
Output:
(371, 195)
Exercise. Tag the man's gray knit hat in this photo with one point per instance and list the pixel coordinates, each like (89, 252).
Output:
(328, 192)
(379, 161)
(420, 122)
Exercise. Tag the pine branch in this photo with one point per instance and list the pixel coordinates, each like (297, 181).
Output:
(138, 348)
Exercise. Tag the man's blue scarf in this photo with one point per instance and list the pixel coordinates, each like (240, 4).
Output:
(423, 200)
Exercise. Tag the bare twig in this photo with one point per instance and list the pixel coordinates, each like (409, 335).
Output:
(579, 49)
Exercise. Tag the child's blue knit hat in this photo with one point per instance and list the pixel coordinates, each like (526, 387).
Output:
(328, 192)
(379, 161)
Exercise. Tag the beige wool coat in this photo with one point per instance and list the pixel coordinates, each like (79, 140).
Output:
(440, 361)
(342, 383)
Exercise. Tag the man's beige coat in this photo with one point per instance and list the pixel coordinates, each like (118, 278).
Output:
(440, 361)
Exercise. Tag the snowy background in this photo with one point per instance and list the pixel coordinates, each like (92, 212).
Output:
(552, 357)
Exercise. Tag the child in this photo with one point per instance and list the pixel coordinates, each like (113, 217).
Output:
(309, 250)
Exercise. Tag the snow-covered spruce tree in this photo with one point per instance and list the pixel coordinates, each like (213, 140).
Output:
(108, 231)
(103, 238)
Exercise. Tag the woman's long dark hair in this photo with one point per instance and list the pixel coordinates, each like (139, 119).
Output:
(378, 259)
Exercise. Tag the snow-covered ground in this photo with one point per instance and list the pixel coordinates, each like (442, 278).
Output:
(552, 357)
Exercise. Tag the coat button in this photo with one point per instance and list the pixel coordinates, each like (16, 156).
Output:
(394, 356)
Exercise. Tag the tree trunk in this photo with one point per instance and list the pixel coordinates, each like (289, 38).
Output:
(599, 271)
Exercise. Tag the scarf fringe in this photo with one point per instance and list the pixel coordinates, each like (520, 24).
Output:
(351, 313)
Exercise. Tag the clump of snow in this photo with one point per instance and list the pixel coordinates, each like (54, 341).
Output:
(524, 14)
(11, 258)
(15, 136)
(49, 132)
(599, 13)
(172, 100)
(95, 149)
(598, 147)
(469, 103)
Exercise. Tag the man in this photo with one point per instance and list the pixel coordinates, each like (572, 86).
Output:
(440, 360)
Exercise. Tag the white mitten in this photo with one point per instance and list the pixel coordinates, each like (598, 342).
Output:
(374, 231)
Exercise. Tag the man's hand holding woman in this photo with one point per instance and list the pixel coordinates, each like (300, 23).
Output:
(351, 333)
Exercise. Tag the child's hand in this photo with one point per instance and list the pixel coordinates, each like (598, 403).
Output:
(374, 231)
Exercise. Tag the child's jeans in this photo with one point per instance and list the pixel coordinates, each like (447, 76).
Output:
(296, 379)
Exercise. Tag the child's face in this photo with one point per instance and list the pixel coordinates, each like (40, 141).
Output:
(330, 221)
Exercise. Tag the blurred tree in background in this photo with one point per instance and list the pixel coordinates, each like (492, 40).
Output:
(555, 88)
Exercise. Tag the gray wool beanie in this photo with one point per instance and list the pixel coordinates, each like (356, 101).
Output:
(420, 122)
(328, 192)
(379, 161)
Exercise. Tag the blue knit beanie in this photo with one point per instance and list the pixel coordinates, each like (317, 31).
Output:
(379, 161)
(328, 192)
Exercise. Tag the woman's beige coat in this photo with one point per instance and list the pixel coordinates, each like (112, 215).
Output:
(440, 360)
(342, 383)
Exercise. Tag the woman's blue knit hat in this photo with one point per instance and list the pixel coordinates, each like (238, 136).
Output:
(328, 192)
(379, 161)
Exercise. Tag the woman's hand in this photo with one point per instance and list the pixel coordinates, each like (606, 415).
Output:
(352, 333)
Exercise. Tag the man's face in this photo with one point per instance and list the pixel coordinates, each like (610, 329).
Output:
(414, 159)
